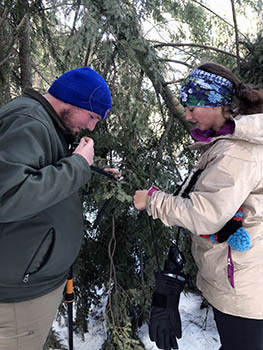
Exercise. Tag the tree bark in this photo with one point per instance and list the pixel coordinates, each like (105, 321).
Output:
(4, 62)
(25, 54)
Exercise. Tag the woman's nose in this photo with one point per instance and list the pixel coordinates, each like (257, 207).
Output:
(188, 115)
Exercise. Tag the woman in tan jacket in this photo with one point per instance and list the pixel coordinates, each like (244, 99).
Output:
(227, 190)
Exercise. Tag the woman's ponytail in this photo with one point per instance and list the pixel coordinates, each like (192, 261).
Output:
(249, 99)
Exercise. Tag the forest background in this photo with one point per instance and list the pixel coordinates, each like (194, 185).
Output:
(143, 49)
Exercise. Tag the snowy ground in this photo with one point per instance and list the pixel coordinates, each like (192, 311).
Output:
(197, 334)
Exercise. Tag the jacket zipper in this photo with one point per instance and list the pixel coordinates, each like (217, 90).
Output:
(27, 274)
(26, 277)
(230, 268)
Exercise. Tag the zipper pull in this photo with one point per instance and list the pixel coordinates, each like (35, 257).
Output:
(26, 278)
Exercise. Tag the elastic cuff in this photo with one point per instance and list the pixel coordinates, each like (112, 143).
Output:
(151, 190)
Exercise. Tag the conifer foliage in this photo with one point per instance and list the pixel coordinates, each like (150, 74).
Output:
(146, 136)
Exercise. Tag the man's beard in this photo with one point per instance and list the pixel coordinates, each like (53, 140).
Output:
(66, 119)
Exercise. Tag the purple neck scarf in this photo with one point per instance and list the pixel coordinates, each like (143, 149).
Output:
(206, 135)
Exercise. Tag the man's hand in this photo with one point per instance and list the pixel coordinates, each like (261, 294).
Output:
(139, 199)
(86, 149)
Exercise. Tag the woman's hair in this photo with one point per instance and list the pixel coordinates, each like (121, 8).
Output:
(248, 99)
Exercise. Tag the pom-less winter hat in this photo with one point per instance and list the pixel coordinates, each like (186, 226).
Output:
(84, 88)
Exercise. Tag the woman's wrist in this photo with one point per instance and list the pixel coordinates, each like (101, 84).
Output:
(151, 190)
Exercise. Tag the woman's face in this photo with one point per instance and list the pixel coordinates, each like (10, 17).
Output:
(205, 118)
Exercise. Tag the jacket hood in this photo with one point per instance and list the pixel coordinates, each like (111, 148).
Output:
(249, 128)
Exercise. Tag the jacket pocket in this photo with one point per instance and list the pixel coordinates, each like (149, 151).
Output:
(41, 255)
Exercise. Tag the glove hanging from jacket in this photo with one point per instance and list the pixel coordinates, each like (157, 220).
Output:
(165, 321)
(234, 233)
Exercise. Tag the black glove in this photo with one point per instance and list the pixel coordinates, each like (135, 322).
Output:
(226, 231)
(165, 321)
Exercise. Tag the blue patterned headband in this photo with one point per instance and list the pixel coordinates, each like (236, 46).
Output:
(205, 89)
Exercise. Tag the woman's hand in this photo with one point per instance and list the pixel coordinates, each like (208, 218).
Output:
(139, 199)
(113, 171)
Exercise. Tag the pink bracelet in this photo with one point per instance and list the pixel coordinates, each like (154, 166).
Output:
(151, 190)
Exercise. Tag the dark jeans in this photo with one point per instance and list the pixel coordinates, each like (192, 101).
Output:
(238, 333)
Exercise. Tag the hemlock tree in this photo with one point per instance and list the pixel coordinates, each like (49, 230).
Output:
(146, 136)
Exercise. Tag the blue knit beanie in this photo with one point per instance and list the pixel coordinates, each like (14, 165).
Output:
(84, 88)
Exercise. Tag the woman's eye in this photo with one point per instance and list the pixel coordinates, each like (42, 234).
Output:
(190, 109)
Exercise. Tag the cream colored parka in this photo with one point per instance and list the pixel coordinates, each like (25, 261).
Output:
(232, 177)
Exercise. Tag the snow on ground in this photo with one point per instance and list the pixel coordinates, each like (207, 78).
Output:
(199, 331)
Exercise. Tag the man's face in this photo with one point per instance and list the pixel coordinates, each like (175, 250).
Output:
(76, 119)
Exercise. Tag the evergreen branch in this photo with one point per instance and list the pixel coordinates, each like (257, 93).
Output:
(111, 251)
(10, 48)
(48, 35)
(152, 71)
(176, 45)
(8, 56)
(75, 18)
(236, 33)
(173, 156)
(88, 54)
(162, 140)
(174, 81)
(154, 26)
(190, 54)
(217, 15)
(175, 61)
(39, 73)
(3, 16)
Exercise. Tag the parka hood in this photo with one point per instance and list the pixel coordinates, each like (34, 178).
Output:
(249, 128)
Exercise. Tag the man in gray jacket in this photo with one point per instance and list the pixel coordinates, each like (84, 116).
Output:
(41, 221)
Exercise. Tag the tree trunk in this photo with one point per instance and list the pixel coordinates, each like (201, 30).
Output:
(24, 39)
(4, 62)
